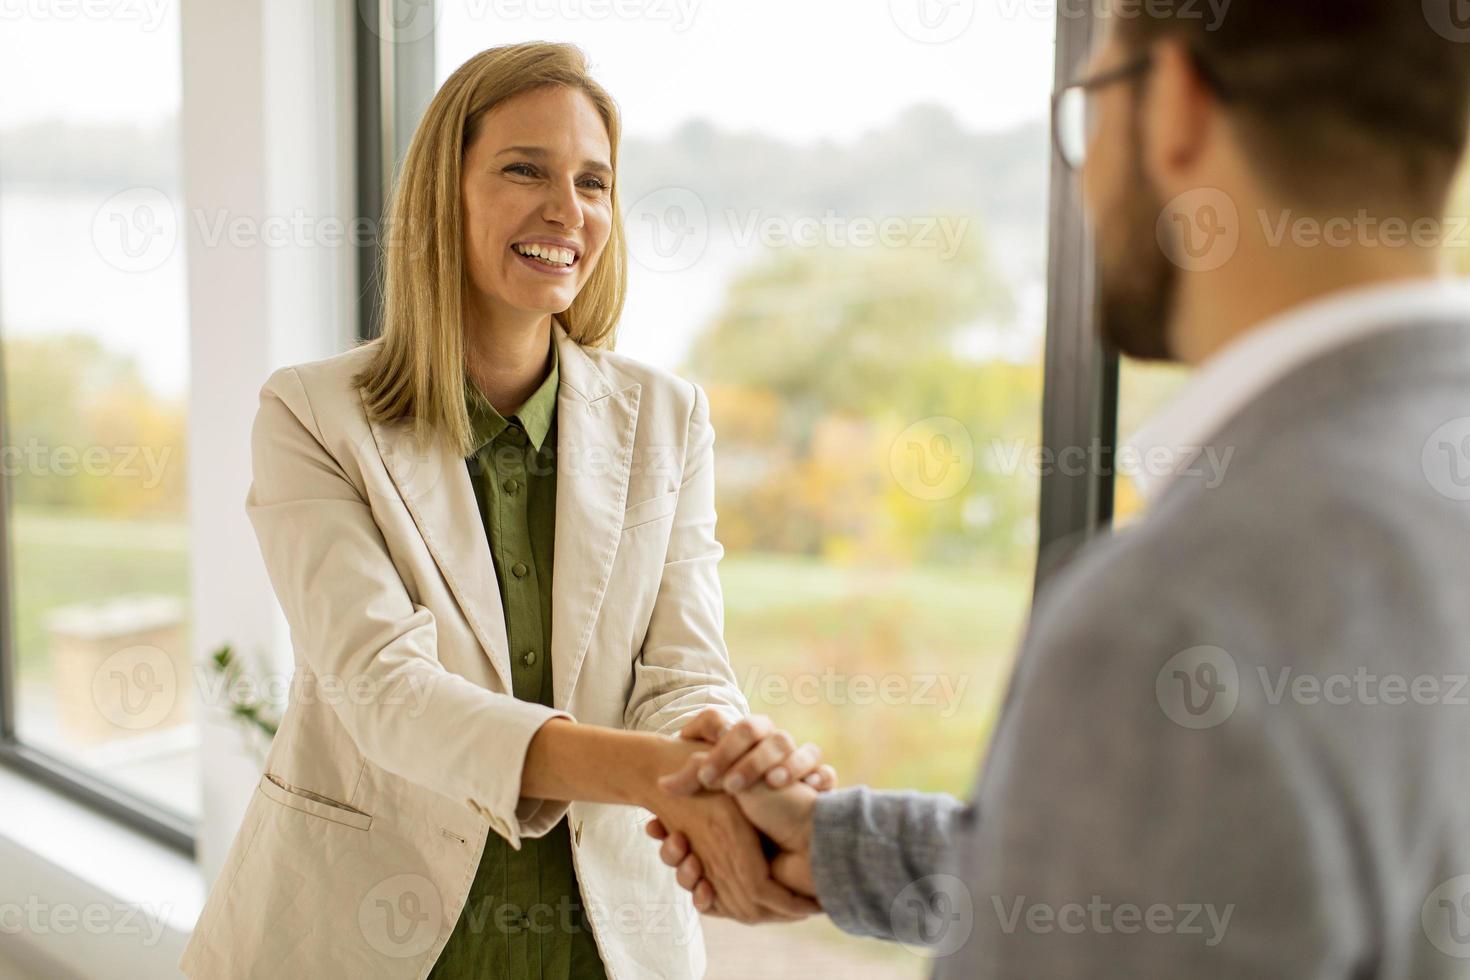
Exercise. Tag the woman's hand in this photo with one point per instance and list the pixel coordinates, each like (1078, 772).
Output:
(785, 816)
(713, 826)
(743, 753)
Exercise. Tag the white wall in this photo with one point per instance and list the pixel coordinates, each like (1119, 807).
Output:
(268, 143)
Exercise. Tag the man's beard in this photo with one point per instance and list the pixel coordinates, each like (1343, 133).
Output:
(1136, 279)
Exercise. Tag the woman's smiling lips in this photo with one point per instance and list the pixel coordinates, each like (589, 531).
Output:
(564, 255)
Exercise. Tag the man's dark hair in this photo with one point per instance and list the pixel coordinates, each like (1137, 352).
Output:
(1338, 101)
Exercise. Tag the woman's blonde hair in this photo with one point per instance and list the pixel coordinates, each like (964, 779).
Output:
(417, 371)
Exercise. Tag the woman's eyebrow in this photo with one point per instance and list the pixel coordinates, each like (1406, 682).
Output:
(540, 154)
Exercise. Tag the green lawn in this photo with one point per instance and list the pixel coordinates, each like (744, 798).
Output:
(805, 636)
(63, 558)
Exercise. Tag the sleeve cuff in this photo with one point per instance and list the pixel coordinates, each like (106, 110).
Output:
(836, 870)
(510, 815)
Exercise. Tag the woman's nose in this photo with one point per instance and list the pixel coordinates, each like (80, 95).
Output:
(562, 206)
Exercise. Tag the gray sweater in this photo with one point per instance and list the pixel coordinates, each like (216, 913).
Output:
(1235, 743)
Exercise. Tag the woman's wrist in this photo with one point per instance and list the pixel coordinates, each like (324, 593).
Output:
(568, 761)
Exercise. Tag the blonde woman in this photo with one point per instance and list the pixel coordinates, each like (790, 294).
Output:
(493, 539)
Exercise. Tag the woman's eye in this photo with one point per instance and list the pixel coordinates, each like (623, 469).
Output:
(595, 184)
(524, 169)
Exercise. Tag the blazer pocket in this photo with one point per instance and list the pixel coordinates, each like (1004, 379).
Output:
(313, 803)
(650, 510)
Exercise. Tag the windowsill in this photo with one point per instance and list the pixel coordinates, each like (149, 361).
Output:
(73, 868)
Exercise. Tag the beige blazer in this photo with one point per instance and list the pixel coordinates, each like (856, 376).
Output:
(401, 748)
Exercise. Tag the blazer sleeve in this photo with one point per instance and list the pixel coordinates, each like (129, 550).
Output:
(683, 666)
(353, 621)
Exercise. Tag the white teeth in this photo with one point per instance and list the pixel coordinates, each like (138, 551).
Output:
(550, 254)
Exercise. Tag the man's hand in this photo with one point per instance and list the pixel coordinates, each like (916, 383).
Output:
(785, 816)
(743, 753)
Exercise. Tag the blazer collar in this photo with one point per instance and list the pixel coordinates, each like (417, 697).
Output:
(596, 423)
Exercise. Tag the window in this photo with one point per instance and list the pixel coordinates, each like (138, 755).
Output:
(93, 378)
(857, 276)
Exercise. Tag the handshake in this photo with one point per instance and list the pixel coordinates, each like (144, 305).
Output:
(735, 820)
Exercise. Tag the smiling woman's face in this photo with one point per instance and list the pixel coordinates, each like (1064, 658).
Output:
(536, 179)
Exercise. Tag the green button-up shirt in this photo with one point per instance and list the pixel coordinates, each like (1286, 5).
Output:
(523, 919)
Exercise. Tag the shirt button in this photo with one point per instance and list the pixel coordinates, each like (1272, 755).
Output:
(511, 486)
(529, 658)
(519, 569)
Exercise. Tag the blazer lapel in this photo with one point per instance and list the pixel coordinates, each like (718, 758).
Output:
(435, 484)
(594, 452)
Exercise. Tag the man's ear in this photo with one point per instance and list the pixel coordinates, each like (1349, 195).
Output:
(1179, 118)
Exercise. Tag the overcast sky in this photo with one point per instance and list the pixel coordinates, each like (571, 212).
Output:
(792, 68)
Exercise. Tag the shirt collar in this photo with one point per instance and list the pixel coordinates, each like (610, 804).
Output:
(1234, 376)
(535, 414)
